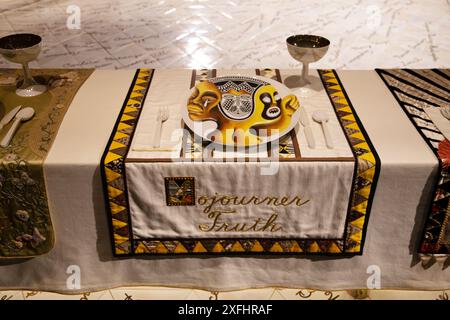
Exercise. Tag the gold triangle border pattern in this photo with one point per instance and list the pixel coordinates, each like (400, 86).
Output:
(113, 163)
(368, 163)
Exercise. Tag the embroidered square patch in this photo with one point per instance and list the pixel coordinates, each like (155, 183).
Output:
(180, 191)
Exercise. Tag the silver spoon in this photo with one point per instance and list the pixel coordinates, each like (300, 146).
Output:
(23, 115)
(321, 117)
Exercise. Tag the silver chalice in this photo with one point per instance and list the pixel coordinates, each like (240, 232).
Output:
(23, 48)
(306, 49)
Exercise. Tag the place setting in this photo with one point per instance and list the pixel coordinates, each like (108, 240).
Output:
(236, 113)
(22, 49)
(33, 105)
(241, 134)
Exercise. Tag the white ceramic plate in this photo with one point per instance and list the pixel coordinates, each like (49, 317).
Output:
(204, 128)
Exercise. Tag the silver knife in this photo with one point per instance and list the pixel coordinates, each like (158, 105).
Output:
(304, 120)
(9, 116)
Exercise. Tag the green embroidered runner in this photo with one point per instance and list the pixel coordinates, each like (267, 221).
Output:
(26, 227)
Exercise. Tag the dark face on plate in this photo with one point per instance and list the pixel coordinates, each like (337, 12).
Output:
(272, 105)
(267, 105)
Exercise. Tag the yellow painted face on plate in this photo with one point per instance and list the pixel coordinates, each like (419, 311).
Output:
(244, 109)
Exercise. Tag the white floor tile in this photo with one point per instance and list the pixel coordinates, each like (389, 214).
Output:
(241, 34)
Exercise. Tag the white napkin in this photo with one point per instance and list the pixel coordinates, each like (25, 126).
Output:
(441, 122)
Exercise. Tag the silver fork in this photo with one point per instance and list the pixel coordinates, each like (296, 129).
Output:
(163, 116)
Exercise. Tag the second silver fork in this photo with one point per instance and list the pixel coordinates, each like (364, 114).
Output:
(162, 116)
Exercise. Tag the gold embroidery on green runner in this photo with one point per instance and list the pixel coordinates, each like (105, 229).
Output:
(26, 227)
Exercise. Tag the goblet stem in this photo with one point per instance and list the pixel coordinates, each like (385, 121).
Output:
(28, 79)
(305, 73)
